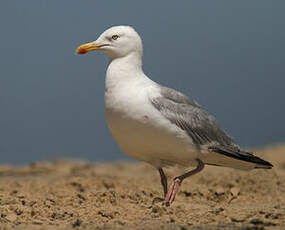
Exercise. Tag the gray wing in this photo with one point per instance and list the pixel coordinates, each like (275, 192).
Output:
(190, 117)
(200, 126)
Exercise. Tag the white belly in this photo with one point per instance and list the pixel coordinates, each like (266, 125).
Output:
(153, 143)
(139, 129)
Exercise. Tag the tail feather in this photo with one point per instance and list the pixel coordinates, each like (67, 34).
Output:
(241, 155)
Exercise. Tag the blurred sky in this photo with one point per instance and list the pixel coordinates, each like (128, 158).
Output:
(228, 55)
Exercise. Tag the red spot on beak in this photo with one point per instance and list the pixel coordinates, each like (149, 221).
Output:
(81, 51)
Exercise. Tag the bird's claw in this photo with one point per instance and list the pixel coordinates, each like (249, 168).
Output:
(170, 196)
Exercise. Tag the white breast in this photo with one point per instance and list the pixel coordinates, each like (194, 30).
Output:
(139, 129)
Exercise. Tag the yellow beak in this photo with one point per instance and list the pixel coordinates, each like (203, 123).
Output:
(87, 47)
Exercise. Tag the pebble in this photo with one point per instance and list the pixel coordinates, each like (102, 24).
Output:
(11, 217)
(235, 191)
(219, 191)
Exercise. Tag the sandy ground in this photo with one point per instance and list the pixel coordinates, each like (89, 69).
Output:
(83, 195)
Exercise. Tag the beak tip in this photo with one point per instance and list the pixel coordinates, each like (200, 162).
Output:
(85, 48)
(80, 50)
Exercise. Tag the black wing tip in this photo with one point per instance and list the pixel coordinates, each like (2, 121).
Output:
(241, 155)
(264, 165)
(261, 163)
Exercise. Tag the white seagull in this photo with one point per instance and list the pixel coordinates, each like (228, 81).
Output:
(156, 124)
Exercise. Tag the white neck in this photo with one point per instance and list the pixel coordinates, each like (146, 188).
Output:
(132, 61)
(124, 69)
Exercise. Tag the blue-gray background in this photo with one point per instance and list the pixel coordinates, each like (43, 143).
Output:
(228, 55)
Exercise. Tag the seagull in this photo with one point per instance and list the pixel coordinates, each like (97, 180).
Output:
(156, 124)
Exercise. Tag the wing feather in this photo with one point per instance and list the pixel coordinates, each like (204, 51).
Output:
(190, 117)
(201, 127)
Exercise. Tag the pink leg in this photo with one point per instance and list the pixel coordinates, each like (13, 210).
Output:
(170, 196)
(163, 180)
(172, 192)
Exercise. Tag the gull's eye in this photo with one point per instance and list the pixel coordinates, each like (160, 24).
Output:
(115, 37)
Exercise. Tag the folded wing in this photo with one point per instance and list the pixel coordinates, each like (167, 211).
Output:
(200, 126)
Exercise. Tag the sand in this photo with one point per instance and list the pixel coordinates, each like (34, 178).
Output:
(86, 195)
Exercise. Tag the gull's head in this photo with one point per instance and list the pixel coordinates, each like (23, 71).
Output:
(116, 42)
